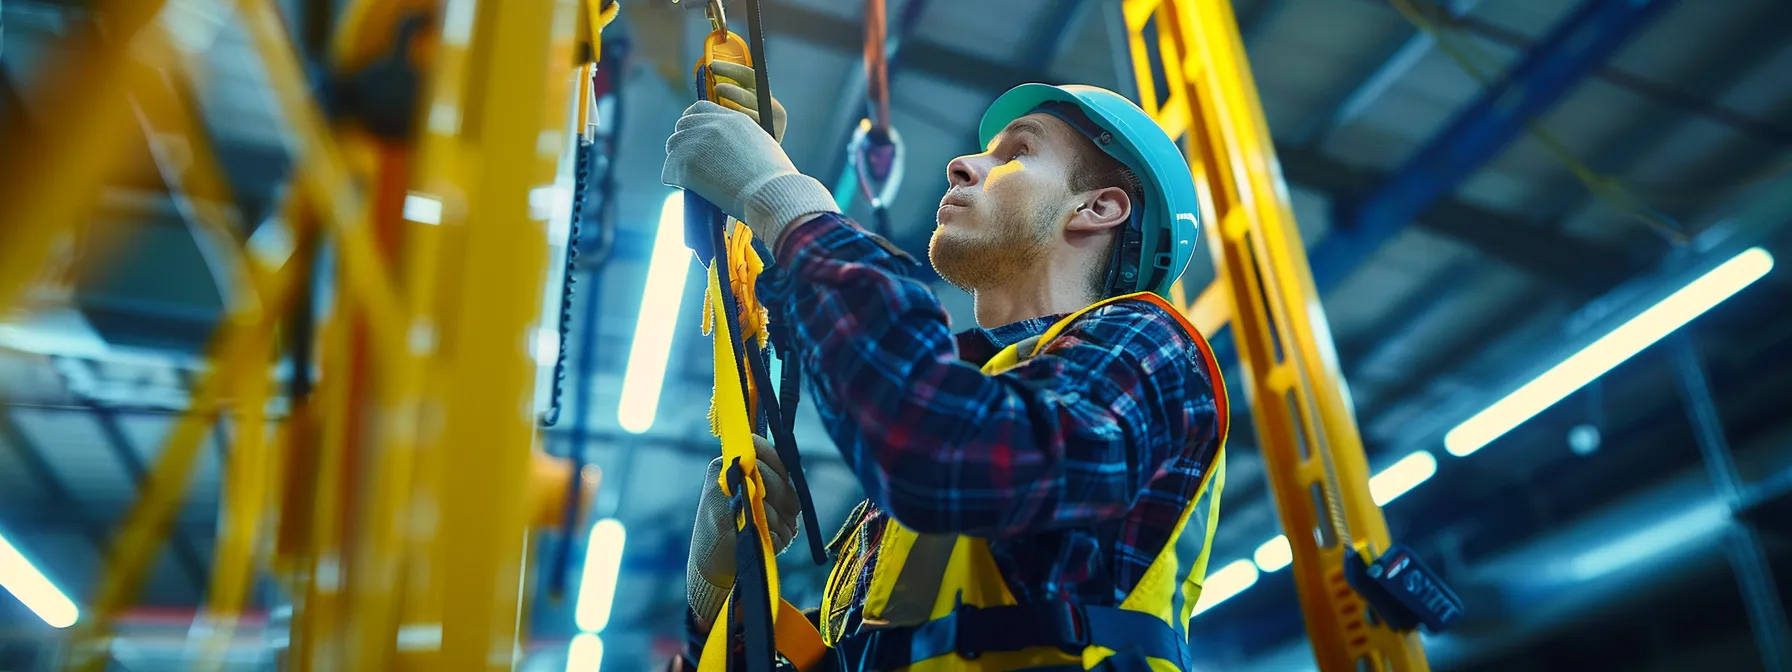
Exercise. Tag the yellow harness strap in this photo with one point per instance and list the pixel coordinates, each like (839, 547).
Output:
(731, 421)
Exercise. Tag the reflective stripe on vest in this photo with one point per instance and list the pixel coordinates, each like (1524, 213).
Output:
(923, 577)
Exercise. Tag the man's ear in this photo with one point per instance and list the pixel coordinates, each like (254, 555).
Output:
(1100, 209)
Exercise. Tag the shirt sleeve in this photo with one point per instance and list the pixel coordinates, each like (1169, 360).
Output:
(1069, 438)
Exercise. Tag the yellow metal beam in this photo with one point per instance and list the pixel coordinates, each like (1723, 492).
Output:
(1212, 309)
(497, 124)
(425, 391)
(323, 175)
(1306, 431)
(238, 347)
(50, 175)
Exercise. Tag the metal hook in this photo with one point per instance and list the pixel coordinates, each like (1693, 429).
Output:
(718, 17)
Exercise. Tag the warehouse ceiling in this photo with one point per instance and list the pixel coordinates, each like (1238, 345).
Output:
(1475, 206)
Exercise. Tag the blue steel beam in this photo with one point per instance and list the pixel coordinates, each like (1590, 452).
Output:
(57, 493)
(1717, 71)
(1400, 61)
(1573, 50)
(186, 553)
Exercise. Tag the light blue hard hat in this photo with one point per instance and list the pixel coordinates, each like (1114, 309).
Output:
(1160, 241)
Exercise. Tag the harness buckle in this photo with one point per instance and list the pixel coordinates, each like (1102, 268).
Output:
(998, 629)
(966, 630)
(1072, 624)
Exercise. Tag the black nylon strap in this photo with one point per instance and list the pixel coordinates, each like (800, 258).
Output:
(970, 632)
(752, 603)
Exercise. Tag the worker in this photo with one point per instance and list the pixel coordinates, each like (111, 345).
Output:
(1028, 479)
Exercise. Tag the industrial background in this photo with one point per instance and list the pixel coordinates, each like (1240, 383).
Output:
(1477, 203)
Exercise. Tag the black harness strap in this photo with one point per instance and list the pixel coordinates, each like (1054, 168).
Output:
(704, 232)
(970, 632)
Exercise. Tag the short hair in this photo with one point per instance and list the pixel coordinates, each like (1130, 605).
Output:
(1091, 169)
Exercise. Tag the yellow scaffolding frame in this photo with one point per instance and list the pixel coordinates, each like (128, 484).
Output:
(1312, 451)
(423, 362)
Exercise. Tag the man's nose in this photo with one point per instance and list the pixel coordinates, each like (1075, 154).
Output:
(965, 171)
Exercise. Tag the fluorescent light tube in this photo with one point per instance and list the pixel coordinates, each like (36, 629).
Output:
(1610, 350)
(1401, 476)
(666, 270)
(25, 582)
(597, 586)
(1223, 584)
(1274, 554)
(585, 654)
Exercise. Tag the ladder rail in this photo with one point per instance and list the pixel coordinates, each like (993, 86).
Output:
(1194, 79)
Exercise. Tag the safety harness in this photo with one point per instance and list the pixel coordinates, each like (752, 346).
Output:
(939, 602)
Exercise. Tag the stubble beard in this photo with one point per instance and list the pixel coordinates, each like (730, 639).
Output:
(1016, 242)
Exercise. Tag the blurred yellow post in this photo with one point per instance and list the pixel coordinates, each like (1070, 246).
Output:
(50, 176)
(1306, 430)
(410, 481)
(496, 124)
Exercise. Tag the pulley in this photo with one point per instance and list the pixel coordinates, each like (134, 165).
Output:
(878, 155)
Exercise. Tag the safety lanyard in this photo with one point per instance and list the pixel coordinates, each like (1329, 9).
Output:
(740, 405)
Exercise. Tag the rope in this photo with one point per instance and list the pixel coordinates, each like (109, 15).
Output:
(877, 65)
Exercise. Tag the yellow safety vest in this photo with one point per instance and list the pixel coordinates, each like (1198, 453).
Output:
(923, 578)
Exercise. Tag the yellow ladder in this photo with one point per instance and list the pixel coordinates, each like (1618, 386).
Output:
(1306, 430)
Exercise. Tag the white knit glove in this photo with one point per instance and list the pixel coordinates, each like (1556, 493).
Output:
(709, 574)
(738, 90)
(726, 158)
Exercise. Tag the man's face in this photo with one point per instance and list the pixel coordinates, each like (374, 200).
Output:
(1002, 213)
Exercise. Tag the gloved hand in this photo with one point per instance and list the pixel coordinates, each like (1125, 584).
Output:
(725, 157)
(709, 574)
(740, 92)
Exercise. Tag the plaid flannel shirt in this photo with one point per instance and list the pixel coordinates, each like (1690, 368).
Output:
(1075, 465)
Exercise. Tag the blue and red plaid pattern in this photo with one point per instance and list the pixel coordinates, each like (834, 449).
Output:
(1075, 465)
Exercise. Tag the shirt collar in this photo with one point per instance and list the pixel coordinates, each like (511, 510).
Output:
(976, 346)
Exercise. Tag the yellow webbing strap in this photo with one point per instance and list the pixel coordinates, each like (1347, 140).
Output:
(798, 639)
(1197, 574)
(732, 422)
(744, 267)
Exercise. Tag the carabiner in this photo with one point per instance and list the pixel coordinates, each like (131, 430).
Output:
(718, 16)
(878, 157)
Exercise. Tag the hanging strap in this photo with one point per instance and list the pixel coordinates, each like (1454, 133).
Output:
(738, 406)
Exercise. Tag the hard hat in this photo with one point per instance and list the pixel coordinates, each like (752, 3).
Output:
(1160, 239)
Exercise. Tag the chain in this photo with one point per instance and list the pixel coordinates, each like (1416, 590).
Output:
(580, 186)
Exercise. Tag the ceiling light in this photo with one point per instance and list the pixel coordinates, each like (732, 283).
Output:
(25, 582)
(646, 372)
(597, 585)
(1223, 584)
(1401, 476)
(1274, 554)
(585, 654)
(1610, 350)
